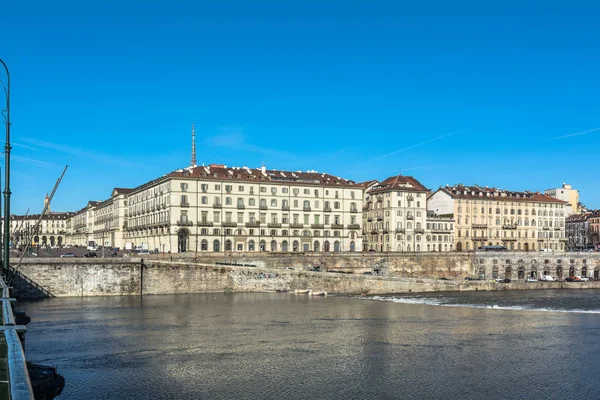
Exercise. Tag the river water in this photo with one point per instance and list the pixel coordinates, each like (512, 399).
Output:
(481, 345)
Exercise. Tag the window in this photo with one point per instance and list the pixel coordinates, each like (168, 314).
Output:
(228, 188)
(204, 200)
(204, 188)
(284, 190)
(273, 190)
(263, 189)
(240, 188)
(184, 186)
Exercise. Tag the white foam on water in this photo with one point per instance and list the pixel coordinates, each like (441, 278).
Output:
(428, 301)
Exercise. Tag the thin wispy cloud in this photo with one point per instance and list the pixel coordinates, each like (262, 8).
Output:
(236, 140)
(407, 148)
(31, 161)
(83, 154)
(24, 146)
(576, 134)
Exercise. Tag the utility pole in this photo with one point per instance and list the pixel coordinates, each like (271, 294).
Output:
(5, 255)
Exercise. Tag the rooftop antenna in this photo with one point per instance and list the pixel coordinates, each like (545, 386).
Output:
(193, 164)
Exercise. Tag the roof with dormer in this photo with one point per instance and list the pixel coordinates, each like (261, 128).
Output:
(399, 183)
(477, 192)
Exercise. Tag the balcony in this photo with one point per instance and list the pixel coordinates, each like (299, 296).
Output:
(317, 226)
(306, 208)
(369, 219)
(285, 208)
(419, 230)
(509, 227)
(205, 223)
(379, 219)
(296, 226)
(241, 207)
(411, 217)
(409, 198)
(557, 228)
(479, 226)
(354, 210)
(253, 224)
(184, 223)
(400, 230)
(182, 204)
(217, 205)
(263, 207)
(229, 224)
(374, 231)
(385, 231)
(274, 225)
(480, 239)
(508, 239)
(327, 209)
(546, 228)
(337, 226)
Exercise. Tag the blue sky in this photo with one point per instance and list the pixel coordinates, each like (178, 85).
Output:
(503, 95)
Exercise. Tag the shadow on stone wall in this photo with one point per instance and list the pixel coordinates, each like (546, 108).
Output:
(23, 287)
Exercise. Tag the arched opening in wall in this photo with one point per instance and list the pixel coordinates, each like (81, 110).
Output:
(521, 273)
(44, 241)
(508, 273)
(284, 246)
(559, 273)
(408, 247)
(251, 245)
(60, 241)
(326, 245)
(228, 245)
(336, 246)
(263, 245)
(512, 245)
(418, 247)
(36, 240)
(584, 272)
(481, 273)
(295, 246)
(532, 246)
(459, 246)
(596, 274)
(495, 272)
(352, 246)
(526, 247)
(439, 247)
(445, 247)
(182, 240)
(52, 241)
(429, 247)
(533, 273)
(571, 272)
(519, 246)
(273, 245)
(399, 247)
(204, 245)
(216, 245)
(316, 246)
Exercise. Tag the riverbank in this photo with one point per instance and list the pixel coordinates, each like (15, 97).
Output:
(120, 277)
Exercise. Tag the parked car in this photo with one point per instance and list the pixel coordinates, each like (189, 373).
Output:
(143, 252)
(90, 254)
(547, 278)
(570, 279)
(583, 278)
(68, 255)
(530, 280)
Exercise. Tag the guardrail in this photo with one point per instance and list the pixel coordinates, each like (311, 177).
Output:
(14, 377)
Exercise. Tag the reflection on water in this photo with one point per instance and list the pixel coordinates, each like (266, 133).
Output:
(257, 346)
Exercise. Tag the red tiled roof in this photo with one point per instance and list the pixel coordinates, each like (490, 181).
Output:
(399, 182)
(477, 192)
(244, 174)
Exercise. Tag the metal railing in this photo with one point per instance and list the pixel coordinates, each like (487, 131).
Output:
(15, 383)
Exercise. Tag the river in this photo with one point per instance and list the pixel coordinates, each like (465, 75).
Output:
(481, 345)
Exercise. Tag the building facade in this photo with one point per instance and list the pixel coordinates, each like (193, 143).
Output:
(579, 232)
(568, 194)
(395, 218)
(488, 216)
(217, 208)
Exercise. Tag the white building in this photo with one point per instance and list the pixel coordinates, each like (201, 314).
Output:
(217, 208)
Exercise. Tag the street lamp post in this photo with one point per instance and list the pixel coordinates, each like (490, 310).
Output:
(6, 172)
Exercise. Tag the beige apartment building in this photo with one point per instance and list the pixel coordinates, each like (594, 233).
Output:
(216, 208)
(80, 225)
(485, 216)
(109, 218)
(568, 194)
(395, 218)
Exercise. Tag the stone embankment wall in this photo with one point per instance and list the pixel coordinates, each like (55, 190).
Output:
(131, 276)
